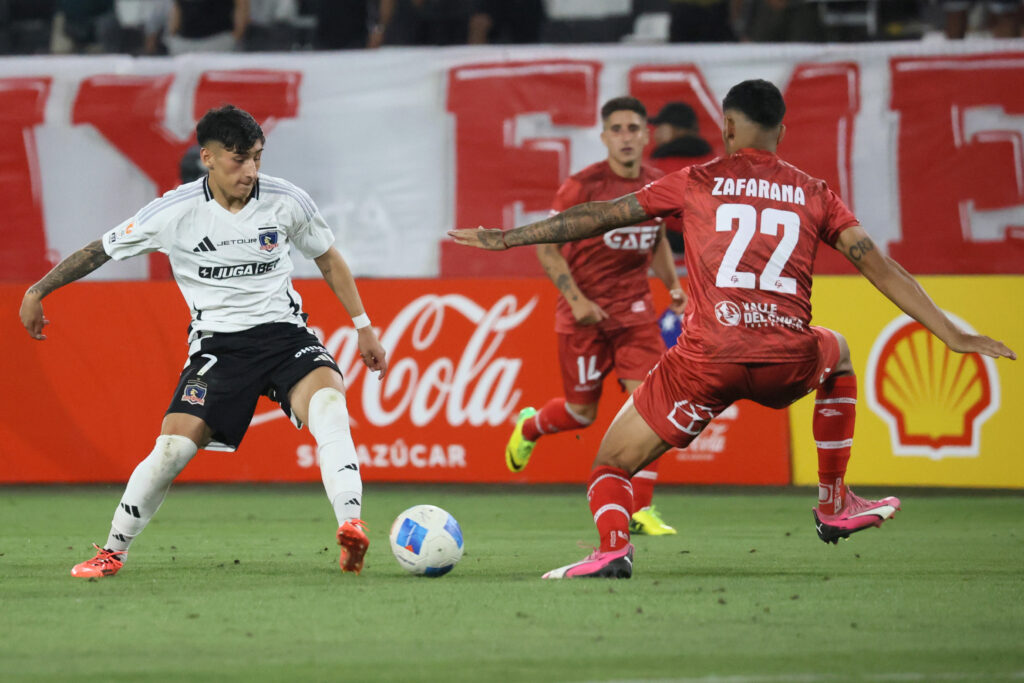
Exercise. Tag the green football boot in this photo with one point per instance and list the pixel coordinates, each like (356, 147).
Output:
(647, 522)
(518, 450)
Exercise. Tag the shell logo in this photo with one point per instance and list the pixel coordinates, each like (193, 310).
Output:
(933, 400)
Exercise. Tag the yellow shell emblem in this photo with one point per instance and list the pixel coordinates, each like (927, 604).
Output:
(934, 399)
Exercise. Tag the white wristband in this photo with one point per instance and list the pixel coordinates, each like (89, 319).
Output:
(361, 321)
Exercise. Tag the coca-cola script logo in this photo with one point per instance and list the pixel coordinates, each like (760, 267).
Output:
(424, 379)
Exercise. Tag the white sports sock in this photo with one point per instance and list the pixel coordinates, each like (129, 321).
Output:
(147, 487)
(339, 464)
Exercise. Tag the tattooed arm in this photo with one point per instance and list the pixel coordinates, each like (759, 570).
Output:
(902, 289)
(579, 222)
(586, 311)
(77, 265)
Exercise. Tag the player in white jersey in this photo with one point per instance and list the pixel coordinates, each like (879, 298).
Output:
(229, 238)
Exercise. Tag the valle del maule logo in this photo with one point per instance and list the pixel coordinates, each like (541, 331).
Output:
(933, 400)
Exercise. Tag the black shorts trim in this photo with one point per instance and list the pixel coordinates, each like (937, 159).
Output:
(225, 377)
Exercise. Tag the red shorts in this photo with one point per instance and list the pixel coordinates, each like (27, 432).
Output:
(588, 355)
(681, 396)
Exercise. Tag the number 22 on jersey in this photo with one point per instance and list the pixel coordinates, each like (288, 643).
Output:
(747, 223)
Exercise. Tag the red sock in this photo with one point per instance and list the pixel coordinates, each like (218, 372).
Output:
(835, 413)
(553, 417)
(643, 485)
(611, 499)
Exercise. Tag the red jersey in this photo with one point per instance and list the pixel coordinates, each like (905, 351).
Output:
(610, 269)
(751, 224)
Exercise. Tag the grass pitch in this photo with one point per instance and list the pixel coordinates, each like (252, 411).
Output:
(241, 583)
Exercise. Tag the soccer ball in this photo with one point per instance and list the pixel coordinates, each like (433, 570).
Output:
(426, 540)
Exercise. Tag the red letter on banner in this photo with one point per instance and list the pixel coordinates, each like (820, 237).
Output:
(821, 103)
(492, 169)
(129, 112)
(656, 86)
(961, 171)
(22, 101)
(267, 95)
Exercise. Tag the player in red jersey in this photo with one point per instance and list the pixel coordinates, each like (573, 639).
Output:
(751, 223)
(605, 317)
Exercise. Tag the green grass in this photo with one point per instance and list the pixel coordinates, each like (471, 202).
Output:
(241, 583)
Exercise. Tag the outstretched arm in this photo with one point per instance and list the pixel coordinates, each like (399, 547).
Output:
(579, 222)
(903, 290)
(339, 278)
(77, 265)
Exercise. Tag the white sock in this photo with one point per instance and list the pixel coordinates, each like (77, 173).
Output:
(339, 464)
(147, 487)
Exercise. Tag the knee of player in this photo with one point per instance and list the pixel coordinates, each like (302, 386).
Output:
(583, 413)
(328, 413)
(173, 452)
(622, 460)
(845, 364)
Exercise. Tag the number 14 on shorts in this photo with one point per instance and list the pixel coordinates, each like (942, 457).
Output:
(588, 369)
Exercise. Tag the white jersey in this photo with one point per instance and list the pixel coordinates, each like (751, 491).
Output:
(234, 269)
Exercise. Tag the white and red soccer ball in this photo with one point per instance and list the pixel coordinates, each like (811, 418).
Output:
(426, 540)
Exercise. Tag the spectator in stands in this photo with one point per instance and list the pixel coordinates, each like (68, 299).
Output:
(1004, 17)
(348, 25)
(207, 25)
(422, 22)
(677, 138)
(702, 21)
(506, 22)
(25, 26)
(84, 26)
(592, 21)
(271, 25)
(781, 21)
(141, 25)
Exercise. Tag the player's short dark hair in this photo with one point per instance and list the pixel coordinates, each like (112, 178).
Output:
(232, 127)
(624, 103)
(758, 100)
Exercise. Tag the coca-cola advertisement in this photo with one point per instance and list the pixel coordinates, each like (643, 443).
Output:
(465, 354)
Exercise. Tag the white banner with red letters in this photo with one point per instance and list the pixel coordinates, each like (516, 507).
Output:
(924, 141)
